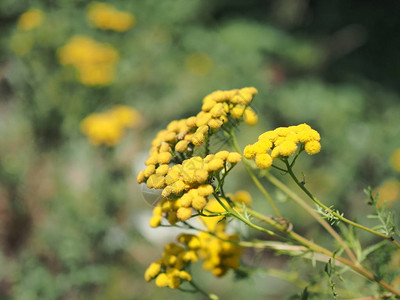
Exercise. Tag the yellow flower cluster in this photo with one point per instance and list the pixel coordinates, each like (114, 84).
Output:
(30, 19)
(220, 105)
(282, 142)
(183, 135)
(241, 196)
(169, 270)
(95, 62)
(107, 17)
(108, 127)
(184, 185)
(219, 256)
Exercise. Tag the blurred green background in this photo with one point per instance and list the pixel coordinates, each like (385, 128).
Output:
(73, 224)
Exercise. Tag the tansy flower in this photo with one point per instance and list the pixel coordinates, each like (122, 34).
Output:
(241, 196)
(107, 17)
(169, 269)
(185, 183)
(108, 127)
(282, 142)
(94, 62)
(389, 192)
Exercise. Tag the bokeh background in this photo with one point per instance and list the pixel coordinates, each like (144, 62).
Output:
(73, 222)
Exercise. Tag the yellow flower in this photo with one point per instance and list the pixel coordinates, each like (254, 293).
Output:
(108, 127)
(263, 160)
(152, 271)
(249, 152)
(183, 184)
(94, 62)
(282, 142)
(269, 135)
(241, 197)
(250, 117)
(126, 116)
(155, 221)
(395, 160)
(30, 19)
(199, 202)
(164, 158)
(213, 222)
(162, 169)
(222, 154)
(237, 111)
(101, 129)
(162, 280)
(312, 147)
(389, 192)
(234, 157)
(287, 148)
(181, 146)
(184, 213)
(215, 164)
(107, 17)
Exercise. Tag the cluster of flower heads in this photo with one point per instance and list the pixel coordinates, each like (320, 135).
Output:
(108, 127)
(218, 107)
(184, 178)
(94, 62)
(107, 17)
(186, 181)
(185, 186)
(217, 253)
(169, 269)
(282, 142)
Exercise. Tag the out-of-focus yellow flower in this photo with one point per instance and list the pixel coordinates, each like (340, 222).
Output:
(30, 19)
(169, 269)
(219, 256)
(395, 159)
(198, 63)
(389, 192)
(125, 115)
(95, 62)
(107, 17)
(241, 196)
(22, 43)
(108, 127)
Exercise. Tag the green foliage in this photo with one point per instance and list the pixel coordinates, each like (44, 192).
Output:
(70, 213)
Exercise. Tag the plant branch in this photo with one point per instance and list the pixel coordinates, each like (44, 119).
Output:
(333, 212)
(317, 248)
(314, 214)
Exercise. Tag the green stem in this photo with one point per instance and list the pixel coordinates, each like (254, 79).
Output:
(333, 212)
(314, 214)
(201, 291)
(317, 248)
(237, 215)
(254, 178)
